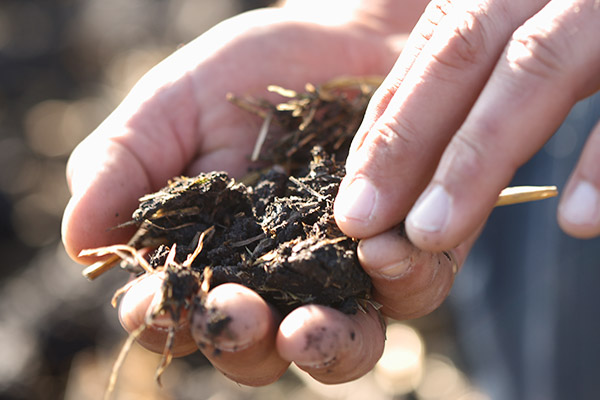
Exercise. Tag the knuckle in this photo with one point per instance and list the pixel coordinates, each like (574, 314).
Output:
(475, 153)
(400, 128)
(467, 43)
(536, 52)
(559, 47)
(398, 136)
(436, 10)
(469, 157)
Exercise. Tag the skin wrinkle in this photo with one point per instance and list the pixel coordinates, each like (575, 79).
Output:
(188, 152)
(437, 295)
(123, 143)
(408, 132)
(380, 174)
(548, 40)
(467, 44)
(540, 59)
(469, 154)
(435, 268)
(445, 6)
(408, 260)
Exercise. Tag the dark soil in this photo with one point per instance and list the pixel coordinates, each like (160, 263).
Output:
(274, 233)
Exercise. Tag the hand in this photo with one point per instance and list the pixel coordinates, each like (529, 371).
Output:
(177, 121)
(480, 87)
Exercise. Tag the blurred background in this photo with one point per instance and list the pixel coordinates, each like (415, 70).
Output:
(64, 66)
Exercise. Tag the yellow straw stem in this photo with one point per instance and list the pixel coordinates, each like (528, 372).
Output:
(523, 194)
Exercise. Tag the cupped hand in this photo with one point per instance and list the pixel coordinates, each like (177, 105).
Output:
(479, 88)
(176, 121)
(257, 344)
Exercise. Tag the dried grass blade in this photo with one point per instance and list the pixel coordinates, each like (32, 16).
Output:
(523, 194)
(262, 136)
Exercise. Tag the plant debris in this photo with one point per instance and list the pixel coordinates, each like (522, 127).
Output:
(274, 232)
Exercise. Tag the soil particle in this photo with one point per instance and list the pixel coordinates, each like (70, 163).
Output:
(322, 342)
(208, 323)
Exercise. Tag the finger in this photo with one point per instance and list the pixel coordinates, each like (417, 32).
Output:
(126, 157)
(331, 346)
(132, 314)
(235, 329)
(407, 281)
(541, 74)
(392, 164)
(425, 27)
(579, 208)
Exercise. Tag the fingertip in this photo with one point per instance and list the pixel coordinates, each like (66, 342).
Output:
(232, 318)
(235, 329)
(132, 314)
(445, 216)
(305, 336)
(388, 255)
(331, 346)
(427, 221)
(408, 282)
(355, 205)
(579, 210)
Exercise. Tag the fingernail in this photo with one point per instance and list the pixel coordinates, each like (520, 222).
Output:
(396, 270)
(582, 205)
(431, 212)
(356, 201)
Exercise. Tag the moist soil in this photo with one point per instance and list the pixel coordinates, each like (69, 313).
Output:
(274, 231)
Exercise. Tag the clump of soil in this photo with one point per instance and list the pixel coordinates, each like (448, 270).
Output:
(277, 237)
(274, 232)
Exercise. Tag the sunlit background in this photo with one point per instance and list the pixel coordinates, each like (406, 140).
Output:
(64, 65)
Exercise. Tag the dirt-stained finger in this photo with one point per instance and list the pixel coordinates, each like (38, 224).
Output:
(235, 329)
(132, 314)
(407, 281)
(331, 346)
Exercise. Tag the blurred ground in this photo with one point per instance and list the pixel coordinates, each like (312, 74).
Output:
(64, 65)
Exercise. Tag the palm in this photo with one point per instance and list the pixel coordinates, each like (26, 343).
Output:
(283, 53)
(177, 119)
